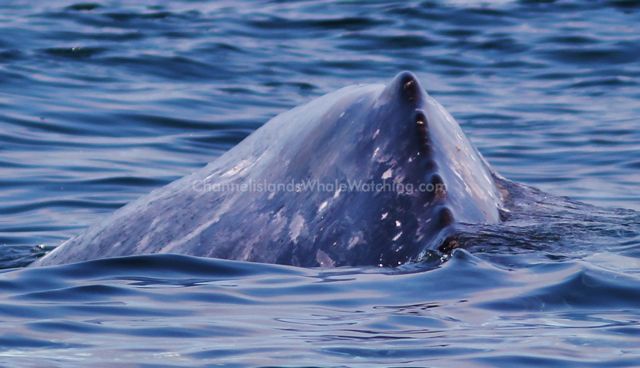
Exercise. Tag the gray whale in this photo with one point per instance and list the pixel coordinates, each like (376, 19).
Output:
(366, 175)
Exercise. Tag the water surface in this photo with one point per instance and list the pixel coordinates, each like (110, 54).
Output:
(101, 102)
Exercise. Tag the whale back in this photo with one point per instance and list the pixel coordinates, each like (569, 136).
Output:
(366, 175)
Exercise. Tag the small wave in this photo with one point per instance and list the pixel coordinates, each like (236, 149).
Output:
(75, 52)
(584, 288)
(273, 22)
(621, 54)
(84, 6)
(53, 203)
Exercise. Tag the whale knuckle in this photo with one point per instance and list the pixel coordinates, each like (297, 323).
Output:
(445, 217)
(409, 85)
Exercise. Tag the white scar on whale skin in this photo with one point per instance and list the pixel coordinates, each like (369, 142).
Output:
(178, 242)
(355, 240)
(147, 237)
(322, 206)
(324, 260)
(238, 168)
(226, 205)
(296, 226)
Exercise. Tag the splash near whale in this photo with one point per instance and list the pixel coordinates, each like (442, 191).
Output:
(366, 175)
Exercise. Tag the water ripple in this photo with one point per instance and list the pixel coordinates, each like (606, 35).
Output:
(103, 101)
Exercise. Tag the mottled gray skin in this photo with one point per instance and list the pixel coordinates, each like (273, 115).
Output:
(369, 133)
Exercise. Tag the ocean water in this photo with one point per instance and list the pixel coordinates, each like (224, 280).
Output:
(101, 102)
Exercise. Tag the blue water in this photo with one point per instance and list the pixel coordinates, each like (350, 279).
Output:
(101, 102)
